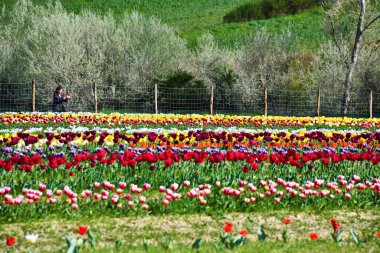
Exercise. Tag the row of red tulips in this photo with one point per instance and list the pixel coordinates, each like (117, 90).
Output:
(168, 157)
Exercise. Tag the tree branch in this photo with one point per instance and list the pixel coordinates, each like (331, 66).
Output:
(336, 41)
(370, 23)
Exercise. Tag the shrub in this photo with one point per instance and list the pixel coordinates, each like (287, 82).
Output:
(245, 12)
(46, 43)
(178, 92)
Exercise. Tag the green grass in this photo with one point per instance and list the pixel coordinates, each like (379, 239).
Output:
(306, 27)
(302, 246)
(193, 18)
(183, 14)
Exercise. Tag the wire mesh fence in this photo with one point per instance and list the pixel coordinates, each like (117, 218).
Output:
(126, 100)
(292, 103)
(38, 96)
(183, 100)
(15, 97)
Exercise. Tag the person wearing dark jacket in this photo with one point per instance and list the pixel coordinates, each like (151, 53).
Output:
(59, 99)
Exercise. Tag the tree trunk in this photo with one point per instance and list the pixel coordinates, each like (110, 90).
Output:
(354, 56)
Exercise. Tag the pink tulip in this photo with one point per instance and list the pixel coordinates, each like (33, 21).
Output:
(88, 193)
(142, 199)
(122, 185)
(186, 183)
(115, 199)
(49, 194)
(263, 183)
(42, 187)
(174, 187)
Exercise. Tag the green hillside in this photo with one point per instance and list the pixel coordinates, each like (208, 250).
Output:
(196, 17)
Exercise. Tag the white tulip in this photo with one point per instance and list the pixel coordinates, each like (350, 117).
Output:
(31, 238)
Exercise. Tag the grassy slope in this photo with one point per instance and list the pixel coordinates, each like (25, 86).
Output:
(196, 17)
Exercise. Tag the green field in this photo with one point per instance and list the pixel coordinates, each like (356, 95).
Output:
(194, 18)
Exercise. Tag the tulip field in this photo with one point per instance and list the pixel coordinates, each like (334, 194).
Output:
(62, 170)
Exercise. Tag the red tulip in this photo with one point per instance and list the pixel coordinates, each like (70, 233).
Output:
(228, 227)
(335, 225)
(243, 232)
(286, 221)
(254, 166)
(10, 241)
(313, 236)
(82, 230)
(245, 169)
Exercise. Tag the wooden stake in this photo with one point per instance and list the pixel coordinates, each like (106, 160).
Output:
(265, 101)
(212, 100)
(318, 102)
(95, 99)
(33, 96)
(370, 105)
(156, 98)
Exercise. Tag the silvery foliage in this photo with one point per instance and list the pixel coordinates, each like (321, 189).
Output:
(49, 44)
(335, 54)
(210, 61)
(263, 61)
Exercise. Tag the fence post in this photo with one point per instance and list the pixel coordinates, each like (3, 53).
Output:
(318, 102)
(156, 98)
(370, 105)
(95, 98)
(212, 100)
(33, 96)
(265, 101)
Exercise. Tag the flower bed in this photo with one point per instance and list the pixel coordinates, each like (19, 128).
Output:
(117, 165)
